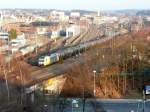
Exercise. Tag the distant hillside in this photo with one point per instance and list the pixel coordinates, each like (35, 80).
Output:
(143, 13)
(131, 12)
(82, 11)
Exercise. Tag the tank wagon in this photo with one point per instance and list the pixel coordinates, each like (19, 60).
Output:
(61, 55)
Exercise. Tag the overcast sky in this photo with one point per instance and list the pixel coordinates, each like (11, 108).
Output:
(77, 4)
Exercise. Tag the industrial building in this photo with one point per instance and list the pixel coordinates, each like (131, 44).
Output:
(74, 14)
(4, 35)
(72, 31)
(60, 32)
(20, 40)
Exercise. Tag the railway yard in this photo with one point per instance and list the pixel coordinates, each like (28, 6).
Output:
(78, 65)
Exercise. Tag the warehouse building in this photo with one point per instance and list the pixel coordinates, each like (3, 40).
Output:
(72, 31)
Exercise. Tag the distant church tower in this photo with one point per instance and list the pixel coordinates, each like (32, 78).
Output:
(1, 16)
(98, 13)
(1, 19)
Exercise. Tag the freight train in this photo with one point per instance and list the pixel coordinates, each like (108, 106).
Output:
(60, 55)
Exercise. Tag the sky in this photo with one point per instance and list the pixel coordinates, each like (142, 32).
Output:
(77, 4)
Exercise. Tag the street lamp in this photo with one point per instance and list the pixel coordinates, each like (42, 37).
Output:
(94, 71)
(143, 101)
(94, 91)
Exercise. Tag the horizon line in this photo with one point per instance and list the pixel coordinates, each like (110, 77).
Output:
(74, 9)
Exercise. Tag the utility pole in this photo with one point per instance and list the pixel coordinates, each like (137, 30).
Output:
(22, 82)
(144, 101)
(105, 85)
(94, 71)
(5, 73)
(94, 91)
(36, 44)
(7, 87)
(143, 85)
(132, 53)
(83, 100)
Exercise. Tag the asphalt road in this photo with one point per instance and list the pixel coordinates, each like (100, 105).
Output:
(98, 105)
(92, 105)
(121, 105)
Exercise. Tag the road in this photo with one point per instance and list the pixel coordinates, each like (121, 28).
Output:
(113, 106)
(98, 105)
(91, 105)
(119, 105)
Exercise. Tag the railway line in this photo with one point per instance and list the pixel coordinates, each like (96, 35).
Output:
(42, 73)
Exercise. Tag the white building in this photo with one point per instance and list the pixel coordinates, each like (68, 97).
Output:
(57, 13)
(64, 18)
(28, 49)
(39, 18)
(72, 31)
(19, 41)
(14, 49)
(42, 30)
(104, 19)
(148, 38)
(1, 17)
(58, 33)
(99, 13)
(74, 14)
(55, 34)
(60, 15)
(4, 48)
(4, 35)
(148, 18)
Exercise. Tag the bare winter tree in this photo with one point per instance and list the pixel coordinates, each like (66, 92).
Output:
(4, 71)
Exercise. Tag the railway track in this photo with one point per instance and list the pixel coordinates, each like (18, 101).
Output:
(39, 74)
